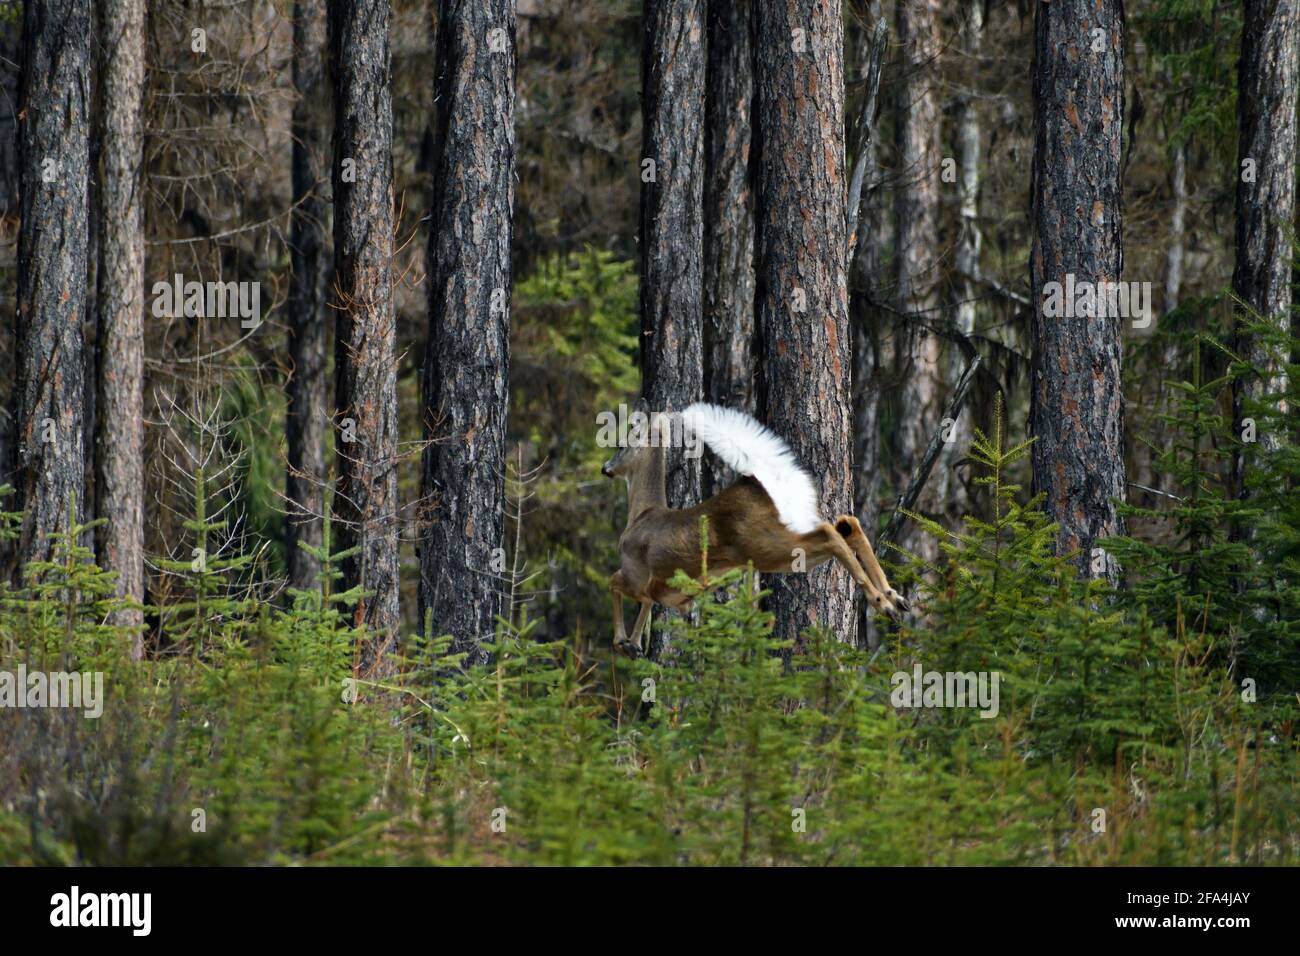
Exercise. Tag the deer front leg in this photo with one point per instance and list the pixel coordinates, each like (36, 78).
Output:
(620, 637)
(616, 585)
(851, 530)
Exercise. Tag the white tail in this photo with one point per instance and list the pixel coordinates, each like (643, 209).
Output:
(751, 449)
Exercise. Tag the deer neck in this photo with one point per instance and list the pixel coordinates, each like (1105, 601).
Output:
(645, 486)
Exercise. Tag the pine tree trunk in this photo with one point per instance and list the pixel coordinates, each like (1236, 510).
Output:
(967, 258)
(1077, 405)
(1266, 169)
(54, 150)
(365, 498)
(867, 288)
(919, 357)
(866, 415)
(672, 234)
(802, 313)
(87, 504)
(10, 209)
(728, 216)
(1177, 229)
(673, 73)
(12, 51)
(308, 329)
(867, 395)
(1170, 361)
(467, 362)
(119, 442)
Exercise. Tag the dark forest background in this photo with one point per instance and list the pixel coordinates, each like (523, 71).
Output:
(391, 485)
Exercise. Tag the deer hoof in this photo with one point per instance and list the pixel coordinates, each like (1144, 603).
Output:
(627, 649)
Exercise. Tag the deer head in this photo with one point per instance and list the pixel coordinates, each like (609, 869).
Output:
(628, 459)
(640, 459)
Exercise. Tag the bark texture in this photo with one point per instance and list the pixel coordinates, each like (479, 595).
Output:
(366, 494)
(967, 257)
(1144, 455)
(308, 330)
(1077, 405)
(119, 439)
(10, 69)
(920, 399)
(1177, 228)
(672, 233)
(802, 312)
(10, 210)
(868, 287)
(467, 362)
(54, 160)
(1266, 136)
(728, 216)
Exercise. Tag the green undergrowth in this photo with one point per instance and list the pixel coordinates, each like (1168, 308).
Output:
(1150, 724)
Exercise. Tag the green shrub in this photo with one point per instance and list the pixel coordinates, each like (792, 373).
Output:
(1121, 735)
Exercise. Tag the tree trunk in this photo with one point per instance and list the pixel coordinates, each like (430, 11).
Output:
(366, 494)
(1266, 169)
(10, 209)
(867, 289)
(802, 312)
(308, 329)
(672, 232)
(673, 72)
(1077, 405)
(119, 481)
(466, 368)
(866, 415)
(967, 259)
(54, 151)
(1171, 363)
(11, 50)
(728, 216)
(90, 327)
(920, 400)
(1177, 229)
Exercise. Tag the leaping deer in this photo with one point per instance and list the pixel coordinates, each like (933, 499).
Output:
(770, 516)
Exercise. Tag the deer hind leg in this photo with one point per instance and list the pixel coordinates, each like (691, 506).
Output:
(618, 586)
(643, 593)
(635, 641)
(851, 530)
(827, 541)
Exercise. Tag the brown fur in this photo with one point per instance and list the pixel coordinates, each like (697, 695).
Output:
(743, 527)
